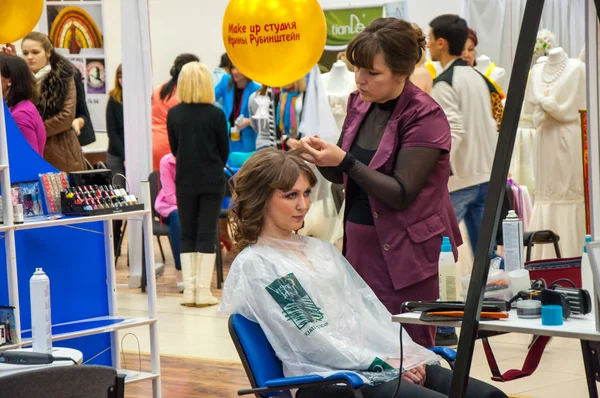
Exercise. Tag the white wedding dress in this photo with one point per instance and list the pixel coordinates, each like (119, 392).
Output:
(559, 193)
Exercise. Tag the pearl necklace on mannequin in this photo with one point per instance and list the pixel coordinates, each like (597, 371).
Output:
(557, 60)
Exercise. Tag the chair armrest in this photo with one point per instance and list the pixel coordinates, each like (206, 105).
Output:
(348, 377)
(447, 353)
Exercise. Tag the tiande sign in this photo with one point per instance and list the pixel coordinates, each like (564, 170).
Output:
(344, 24)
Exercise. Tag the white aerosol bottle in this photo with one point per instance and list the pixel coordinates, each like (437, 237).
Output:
(447, 272)
(512, 233)
(41, 322)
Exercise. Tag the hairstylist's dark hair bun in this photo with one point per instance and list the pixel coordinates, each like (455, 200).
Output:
(421, 41)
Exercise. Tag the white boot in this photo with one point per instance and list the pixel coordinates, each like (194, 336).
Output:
(188, 270)
(205, 265)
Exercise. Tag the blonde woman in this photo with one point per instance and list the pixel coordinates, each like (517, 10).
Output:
(198, 138)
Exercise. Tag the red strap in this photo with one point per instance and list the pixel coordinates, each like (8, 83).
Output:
(534, 356)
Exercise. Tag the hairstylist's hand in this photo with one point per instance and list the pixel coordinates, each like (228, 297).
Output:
(322, 153)
(9, 49)
(293, 143)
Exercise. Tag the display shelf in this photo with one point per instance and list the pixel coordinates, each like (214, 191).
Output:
(3, 166)
(10, 347)
(78, 220)
(133, 376)
(4, 228)
(88, 327)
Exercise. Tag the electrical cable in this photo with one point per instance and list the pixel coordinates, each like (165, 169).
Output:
(543, 282)
(399, 370)
(139, 352)
(64, 359)
(96, 356)
(555, 283)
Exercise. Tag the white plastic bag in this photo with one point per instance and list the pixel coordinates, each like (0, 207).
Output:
(317, 313)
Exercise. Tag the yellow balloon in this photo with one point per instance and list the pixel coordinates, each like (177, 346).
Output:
(274, 42)
(18, 17)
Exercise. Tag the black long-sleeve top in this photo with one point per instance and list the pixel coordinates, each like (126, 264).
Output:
(115, 128)
(88, 134)
(199, 140)
(412, 169)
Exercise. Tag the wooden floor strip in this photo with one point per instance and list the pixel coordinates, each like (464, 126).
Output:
(188, 377)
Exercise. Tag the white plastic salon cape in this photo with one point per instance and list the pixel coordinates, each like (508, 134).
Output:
(317, 312)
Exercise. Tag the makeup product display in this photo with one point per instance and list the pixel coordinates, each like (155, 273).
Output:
(29, 196)
(95, 200)
(52, 186)
(18, 214)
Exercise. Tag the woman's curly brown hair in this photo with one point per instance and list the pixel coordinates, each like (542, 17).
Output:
(253, 185)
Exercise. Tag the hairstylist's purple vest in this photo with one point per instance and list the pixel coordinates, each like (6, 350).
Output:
(410, 240)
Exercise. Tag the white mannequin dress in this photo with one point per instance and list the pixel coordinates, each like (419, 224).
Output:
(339, 84)
(317, 118)
(558, 168)
(493, 72)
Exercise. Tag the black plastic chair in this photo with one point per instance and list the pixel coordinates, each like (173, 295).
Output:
(223, 215)
(64, 382)
(158, 228)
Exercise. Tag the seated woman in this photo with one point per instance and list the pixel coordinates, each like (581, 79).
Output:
(316, 311)
(166, 206)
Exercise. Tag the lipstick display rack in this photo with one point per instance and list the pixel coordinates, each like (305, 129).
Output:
(97, 200)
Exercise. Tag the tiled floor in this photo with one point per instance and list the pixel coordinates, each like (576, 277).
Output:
(202, 333)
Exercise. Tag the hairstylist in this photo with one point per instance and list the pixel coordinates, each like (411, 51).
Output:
(57, 102)
(234, 91)
(393, 158)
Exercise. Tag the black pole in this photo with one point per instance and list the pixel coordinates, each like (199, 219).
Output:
(496, 191)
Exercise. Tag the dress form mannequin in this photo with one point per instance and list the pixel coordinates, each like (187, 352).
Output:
(555, 93)
(494, 73)
(339, 84)
(541, 59)
(338, 79)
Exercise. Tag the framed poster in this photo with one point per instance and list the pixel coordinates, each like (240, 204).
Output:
(76, 28)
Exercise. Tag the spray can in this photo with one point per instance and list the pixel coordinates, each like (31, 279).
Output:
(512, 230)
(447, 272)
(41, 323)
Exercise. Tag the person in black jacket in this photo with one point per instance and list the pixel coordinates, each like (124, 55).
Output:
(83, 122)
(115, 157)
(199, 141)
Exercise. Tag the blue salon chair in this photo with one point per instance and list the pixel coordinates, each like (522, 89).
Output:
(265, 372)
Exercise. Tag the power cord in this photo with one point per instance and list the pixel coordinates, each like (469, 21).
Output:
(556, 282)
(65, 359)
(401, 361)
(97, 355)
